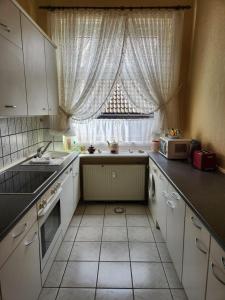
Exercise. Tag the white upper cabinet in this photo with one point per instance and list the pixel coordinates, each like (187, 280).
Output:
(52, 83)
(34, 61)
(10, 22)
(12, 83)
(196, 254)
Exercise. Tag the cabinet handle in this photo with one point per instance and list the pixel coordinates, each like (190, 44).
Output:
(43, 108)
(30, 242)
(215, 275)
(175, 196)
(15, 235)
(195, 224)
(5, 27)
(10, 106)
(223, 261)
(198, 246)
(165, 194)
(170, 204)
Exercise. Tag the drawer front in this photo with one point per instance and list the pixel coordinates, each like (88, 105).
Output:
(196, 253)
(10, 22)
(11, 241)
(20, 276)
(216, 273)
(175, 228)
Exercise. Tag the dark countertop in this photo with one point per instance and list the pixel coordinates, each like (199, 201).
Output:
(204, 192)
(14, 207)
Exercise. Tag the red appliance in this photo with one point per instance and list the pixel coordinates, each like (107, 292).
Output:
(204, 160)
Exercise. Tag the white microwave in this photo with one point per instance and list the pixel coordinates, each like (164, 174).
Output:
(173, 148)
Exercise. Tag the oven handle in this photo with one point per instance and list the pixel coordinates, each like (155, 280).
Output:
(54, 198)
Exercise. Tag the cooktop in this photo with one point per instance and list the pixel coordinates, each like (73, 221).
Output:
(23, 182)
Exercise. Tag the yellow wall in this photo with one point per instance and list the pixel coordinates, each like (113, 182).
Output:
(205, 105)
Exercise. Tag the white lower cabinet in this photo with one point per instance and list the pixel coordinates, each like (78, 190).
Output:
(195, 260)
(20, 276)
(216, 273)
(67, 199)
(76, 181)
(175, 228)
(161, 207)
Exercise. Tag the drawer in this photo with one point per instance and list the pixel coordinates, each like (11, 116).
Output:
(10, 22)
(13, 238)
(216, 273)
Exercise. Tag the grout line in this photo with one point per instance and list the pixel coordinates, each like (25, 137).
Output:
(129, 257)
(99, 255)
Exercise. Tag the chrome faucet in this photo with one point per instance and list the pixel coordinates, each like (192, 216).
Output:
(40, 152)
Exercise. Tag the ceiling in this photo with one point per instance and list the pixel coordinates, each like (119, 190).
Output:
(113, 3)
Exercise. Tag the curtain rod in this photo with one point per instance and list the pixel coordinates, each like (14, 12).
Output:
(178, 7)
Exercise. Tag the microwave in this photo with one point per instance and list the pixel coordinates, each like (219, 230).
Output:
(173, 148)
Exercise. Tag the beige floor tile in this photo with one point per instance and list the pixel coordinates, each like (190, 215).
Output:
(85, 251)
(178, 294)
(89, 234)
(70, 234)
(95, 209)
(172, 277)
(114, 234)
(114, 275)
(144, 252)
(55, 274)
(80, 274)
(115, 220)
(76, 294)
(148, 275)
(114, 294)
(137, 220)
(163, 252)
(64, 251)
(114, 251)
(151, 294)
(48, 294)
(92, 220)
(76, 219)
(140, 234)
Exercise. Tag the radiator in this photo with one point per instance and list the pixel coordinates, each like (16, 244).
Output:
(114, 182)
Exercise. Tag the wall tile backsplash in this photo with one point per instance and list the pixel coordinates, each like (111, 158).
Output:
(19, 137)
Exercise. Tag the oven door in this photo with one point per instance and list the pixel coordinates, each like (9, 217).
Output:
(49, 227)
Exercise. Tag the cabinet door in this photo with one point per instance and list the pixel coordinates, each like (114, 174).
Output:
(175, 228)
(196, 253)
(76, 181)
(161, 207)
(12, 83)
(34, 60)
(20, 276)
(216, 273)
(67, 199)
(114, 182)
(52, 80)
(10, 22)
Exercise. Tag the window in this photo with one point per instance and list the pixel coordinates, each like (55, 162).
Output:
(120, 107)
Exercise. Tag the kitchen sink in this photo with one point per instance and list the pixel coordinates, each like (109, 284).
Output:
(49, 158)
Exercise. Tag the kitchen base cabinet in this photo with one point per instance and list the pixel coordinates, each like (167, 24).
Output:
(161, 207)
(20, 276)
(195, 260)
(175, 228)
(76, 182)
(216, 273)
(67, 199)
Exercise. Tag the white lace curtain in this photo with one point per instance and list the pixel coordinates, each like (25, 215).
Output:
(97, 48)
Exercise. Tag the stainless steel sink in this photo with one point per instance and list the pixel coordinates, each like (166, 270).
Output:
(49, 158)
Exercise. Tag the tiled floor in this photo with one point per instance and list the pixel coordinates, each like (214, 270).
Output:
(109, 256)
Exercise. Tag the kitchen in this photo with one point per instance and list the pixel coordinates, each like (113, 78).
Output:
(98, 198)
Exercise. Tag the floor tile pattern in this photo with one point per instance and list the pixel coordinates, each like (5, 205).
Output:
(109, 256)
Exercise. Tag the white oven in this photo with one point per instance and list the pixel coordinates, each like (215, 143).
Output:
(49, 222)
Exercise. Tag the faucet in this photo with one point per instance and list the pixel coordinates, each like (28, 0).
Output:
(40, 152)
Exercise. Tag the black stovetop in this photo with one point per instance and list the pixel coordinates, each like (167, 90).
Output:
(22, 182)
